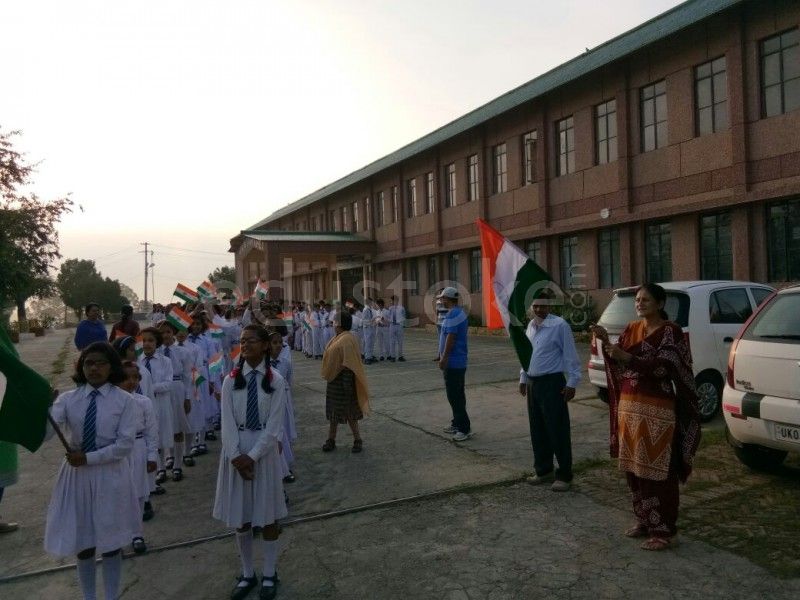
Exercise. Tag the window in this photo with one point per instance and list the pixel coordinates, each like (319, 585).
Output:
(379, 209)
(472, 178)
(711, 96)
(499, 169)
(534, 251)
(411, 198)
(332, 221)
(658, 249)
(413, 276)
(780, 73)
(354, 222)
(783, 240)
(569, 261)
(475, 270)
(729, 306)
(529, 157)
(367, 213)
(606, 132)
(345, 219)
(313, 223)
(608, 254)
(432, 271)
(429, 193)
(452, 266)
(716, 255)
(654, 116)
(760, 294)
(565, 142)
(395, 202)
(450, 189)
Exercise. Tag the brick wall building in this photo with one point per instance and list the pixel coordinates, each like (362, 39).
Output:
(671, 152)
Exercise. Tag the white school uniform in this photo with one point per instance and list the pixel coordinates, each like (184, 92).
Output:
(95, 505)
(182, 363)
(161, 373)
(308, 346)
(283, 364)
(368, 324)
(397, 319)
(382, 332)
(197, 419)
(259, 501)
(316, 323)
(145, 446)
(329, 328)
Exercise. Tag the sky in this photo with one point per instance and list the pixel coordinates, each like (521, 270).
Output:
(182, 122)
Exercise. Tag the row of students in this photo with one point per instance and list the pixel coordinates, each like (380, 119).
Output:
(379, 330)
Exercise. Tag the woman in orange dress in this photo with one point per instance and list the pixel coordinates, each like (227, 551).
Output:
(655, 427)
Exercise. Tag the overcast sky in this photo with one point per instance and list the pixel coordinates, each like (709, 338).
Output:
(182, 122)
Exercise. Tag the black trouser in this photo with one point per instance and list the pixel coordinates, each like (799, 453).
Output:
(548, 417)
(454, 388)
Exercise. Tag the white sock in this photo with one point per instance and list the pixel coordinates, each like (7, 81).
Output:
(139, 522)
(160, 461)
(178, 455)
(169, 452)
(244, 541)
(112, 573)
(86, 577)
(270, 558)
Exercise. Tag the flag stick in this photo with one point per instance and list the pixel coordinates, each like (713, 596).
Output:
(58, 433)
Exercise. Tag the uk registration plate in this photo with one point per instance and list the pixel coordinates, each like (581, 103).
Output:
(787, 433)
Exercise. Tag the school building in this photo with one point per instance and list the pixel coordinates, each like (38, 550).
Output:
(671, 152)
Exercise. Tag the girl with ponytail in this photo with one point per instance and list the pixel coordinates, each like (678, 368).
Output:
(249, 494)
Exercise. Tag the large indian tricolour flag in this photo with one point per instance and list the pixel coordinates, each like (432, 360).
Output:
(511, 281)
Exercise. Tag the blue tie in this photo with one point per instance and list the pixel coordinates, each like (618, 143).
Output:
(166, 351)
(90, 424)
(252, 403)
(147, 360)
(139, 389)
(274, 362)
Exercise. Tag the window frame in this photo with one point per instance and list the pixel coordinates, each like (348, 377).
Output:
(499, 168)
(565, 149)
(473, 178)
(653, 91)
(789, 253)
(395, 202)
(781, 83)
(411, 198)
(379, 209)
(475, 270)
(605, 113)
(529, 148)
(450, 185)
(718, 108)
(413, 276)
(430, 193)
(568, 243)
(714, 251)
(608, 257)
(649, 272)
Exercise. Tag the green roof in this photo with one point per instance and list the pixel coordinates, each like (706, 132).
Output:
(665, 24)
(303, 236)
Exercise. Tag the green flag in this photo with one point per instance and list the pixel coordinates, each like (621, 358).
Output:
(25, 398)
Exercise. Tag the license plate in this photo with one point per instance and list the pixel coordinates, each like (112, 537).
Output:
(787, 433)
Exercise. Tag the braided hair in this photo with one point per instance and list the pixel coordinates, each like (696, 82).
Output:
(239, 382)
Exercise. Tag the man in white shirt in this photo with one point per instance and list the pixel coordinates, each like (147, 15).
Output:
(368, 325)
(548, 392)
(397, 318)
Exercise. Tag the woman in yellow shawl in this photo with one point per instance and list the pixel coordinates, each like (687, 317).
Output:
(347, 396)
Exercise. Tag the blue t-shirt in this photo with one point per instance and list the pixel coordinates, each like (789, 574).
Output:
(455, 322)
(89, 332)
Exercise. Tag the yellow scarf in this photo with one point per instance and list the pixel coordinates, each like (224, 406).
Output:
(343, 352)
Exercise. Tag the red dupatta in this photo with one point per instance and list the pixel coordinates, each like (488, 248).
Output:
(662, 357)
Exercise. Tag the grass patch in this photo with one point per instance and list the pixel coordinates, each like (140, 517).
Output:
(60, 362)
(590, 464)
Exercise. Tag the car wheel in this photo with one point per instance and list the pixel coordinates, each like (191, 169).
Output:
(602, 393)
(709, 391)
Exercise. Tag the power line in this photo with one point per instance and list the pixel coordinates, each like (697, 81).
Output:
(192, 250)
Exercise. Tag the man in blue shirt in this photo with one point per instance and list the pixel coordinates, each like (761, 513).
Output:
(91, 329)
(548, 391)
(453, 363)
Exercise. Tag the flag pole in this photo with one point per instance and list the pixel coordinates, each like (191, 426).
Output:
(58, 433)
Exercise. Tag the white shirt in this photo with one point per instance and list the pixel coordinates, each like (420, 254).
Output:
(146, 424)
(160, 372)
(397, 315)
(182, 362)
(115, 421)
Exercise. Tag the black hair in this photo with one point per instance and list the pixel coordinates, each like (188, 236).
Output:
(117, 374)
(658, 293)
(266, 383)
(345, 321)
(380, 302)
(126, 311)
(90, 306)
(155, 332)
(121, 345)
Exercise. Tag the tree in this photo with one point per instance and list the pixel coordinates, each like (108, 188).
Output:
(28, 235)
(226, 273)
(79, 283)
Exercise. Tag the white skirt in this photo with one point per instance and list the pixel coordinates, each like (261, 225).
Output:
(260, 501)
(180, 420)
(141, 478)
(197, 419)
(93, 506)
(162, 406)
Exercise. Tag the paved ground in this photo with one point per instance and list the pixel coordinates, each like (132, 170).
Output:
(415, 515)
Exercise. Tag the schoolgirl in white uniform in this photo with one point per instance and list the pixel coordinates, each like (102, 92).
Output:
(197, 419)
(207, 389)
(182, 363)
(145, 449)
(160, 369)
(93, 507)
(249, 481)
(281, 360)
(308, 340)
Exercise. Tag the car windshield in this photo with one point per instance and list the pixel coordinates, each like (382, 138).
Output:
(779, 321)
(621, 309)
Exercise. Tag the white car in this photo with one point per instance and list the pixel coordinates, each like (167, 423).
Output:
(761, 401)
(710, 313)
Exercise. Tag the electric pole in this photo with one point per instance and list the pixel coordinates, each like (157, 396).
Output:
(146, 268)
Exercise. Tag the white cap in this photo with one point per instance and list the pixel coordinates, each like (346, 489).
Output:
(448, 292)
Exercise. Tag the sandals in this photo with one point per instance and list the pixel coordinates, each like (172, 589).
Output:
(357, 446)
(139, 547)
(658, 543)
(188, 461)
(177, 474)
(161, 477)
(329, 445)
(169, 463)
(637, 531)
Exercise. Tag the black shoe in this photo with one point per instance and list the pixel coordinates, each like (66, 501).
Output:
(188, 461)
(390, 359)
(161, 477)
(169, 463)
(381, 359)
(159, 491)
(148, 512)
(217, 426)
(268, 592)
(177, 474)
(139, 547)
(290, 478)
(401, 359)
(211, 436)
(240, 592)
(202, 449)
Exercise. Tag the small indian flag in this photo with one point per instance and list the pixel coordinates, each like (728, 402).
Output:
(237, 295)
(287, 318)
(261, 290)
(215, 364)
(206, 289)
(185, 293)
(139, 347)
(215, 331)
(197, 380)
(179, 318)
(514, 282)
(235, 352)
